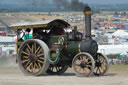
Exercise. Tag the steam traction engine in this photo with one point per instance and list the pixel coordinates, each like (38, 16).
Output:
(46, 47)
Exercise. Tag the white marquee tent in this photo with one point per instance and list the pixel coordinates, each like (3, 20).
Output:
(120, 33)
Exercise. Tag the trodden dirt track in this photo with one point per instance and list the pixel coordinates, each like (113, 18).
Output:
(11, 75)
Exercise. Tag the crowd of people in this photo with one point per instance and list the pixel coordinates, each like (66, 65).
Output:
(122, 60)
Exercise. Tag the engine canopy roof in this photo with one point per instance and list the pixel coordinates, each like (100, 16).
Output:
(41, 24)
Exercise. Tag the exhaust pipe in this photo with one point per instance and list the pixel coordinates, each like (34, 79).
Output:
(87, 13)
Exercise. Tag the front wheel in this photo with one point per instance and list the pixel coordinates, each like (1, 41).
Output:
(83, 64)
(101, 65)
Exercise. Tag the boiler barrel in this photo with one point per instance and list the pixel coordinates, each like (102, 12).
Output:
(85, 46)
(72, 48)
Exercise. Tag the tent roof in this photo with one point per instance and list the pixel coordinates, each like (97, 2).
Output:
(120, 33)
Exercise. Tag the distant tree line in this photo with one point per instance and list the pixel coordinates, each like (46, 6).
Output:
(111, 56)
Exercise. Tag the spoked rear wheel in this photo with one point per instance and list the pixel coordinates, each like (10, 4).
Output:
(56, 69)
(32, 57)
(101, 65)
(83, 64)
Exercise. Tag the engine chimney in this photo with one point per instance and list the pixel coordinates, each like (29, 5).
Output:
(88, 45)
(87, 13)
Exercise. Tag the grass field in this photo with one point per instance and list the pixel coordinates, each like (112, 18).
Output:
(119, 67)
(121, 70)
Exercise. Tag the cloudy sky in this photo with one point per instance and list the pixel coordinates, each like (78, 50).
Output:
(86, 1)
(105, 1)
(40, 3)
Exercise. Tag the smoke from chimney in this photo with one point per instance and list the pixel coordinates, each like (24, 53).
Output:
(70, 5)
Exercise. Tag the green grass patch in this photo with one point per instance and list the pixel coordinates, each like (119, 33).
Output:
(119, 67)
(111, 56)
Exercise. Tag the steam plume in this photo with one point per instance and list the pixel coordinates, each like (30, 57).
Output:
(73, 5)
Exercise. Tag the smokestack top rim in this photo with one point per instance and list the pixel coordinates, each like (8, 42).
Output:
(87, 10)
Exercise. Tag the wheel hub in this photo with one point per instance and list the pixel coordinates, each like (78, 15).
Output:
(98, 64)
(32, 57)
(83, 65)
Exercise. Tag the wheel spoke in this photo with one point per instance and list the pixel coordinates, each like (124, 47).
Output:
(52, 67)
(29, 48)
(32, 48)
(86, 59)
(40, 55)
(101, 58)
(88, 69)
(89, 66)
(41, 58)
(84, 70)
(89, 62)
(25, 53)
(77, 64)
(102, 68)
(40, 61)
(97, 70)
(35, 46)
(25, 61)
(57, 69)
(39, 65)
(30, 66)
(81, 59)
(28, 69)
(79, 68)
(34, 67)
(103, 61)
(37, 49)
(26, 57)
